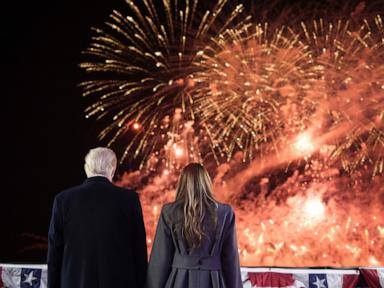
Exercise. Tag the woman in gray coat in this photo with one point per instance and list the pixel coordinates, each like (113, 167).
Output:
(195, 244)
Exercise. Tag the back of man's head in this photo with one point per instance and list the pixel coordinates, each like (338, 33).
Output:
(100, 161)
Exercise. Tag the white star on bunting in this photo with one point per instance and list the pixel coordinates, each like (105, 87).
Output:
(319, 283)
(29, 278)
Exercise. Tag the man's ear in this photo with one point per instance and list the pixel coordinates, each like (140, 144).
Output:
(113, 173)
(86, 169)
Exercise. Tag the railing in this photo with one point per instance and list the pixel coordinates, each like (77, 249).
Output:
(32, 275)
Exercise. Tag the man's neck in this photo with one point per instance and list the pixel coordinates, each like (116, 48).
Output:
(99, 175)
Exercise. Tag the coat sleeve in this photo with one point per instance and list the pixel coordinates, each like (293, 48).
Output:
(230, 256)
(139, 242)
(55, 246)
(160, 262)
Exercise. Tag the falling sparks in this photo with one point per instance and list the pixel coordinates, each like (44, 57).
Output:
(303, 221)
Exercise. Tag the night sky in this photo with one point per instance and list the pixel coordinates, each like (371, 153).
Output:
(44, 133)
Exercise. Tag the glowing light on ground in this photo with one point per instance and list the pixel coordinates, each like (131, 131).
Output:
(303, 143)
(314, 209)
(178, 151)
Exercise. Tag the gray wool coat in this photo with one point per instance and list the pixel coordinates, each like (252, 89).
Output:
(214, 264)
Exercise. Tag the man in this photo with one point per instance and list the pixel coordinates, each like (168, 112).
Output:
(96, 236)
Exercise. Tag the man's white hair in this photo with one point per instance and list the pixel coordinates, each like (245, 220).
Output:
(100, 161)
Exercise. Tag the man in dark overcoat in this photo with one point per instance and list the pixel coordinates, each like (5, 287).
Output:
(96, 236)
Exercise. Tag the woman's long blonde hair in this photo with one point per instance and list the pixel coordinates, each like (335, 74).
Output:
(194, 194)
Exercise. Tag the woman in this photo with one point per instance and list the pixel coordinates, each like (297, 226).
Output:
(195, 244)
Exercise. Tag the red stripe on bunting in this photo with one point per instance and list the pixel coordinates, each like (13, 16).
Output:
(350, 281)
(371, 277)
(270, 279)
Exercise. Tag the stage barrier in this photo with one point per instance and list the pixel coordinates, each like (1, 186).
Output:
(35, 276)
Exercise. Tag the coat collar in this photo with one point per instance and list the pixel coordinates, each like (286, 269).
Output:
(97, 179)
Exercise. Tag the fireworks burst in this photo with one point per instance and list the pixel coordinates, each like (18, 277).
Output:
(240, 87)
(257, 90)
(141, 67)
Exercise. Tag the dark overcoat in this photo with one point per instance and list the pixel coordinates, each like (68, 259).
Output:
(96, 238)
(214, 264)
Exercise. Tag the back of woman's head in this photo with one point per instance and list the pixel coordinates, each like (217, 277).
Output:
(195, 198)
